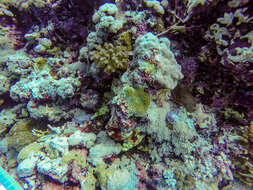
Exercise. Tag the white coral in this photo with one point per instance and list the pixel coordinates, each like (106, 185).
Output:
(167, 71)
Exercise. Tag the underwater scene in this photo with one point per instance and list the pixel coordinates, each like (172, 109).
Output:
(126, 95)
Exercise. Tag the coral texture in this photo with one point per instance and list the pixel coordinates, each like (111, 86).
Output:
(127, 94)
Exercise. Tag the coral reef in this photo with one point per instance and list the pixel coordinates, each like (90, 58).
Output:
(105, 19)
(126, 94)
(133, 102)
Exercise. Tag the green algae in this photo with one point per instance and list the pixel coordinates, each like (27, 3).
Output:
(20, 134)
(101, 111)
(132, 141)
(137, 100)
(76, 155)
(232, 113)
(103, 172)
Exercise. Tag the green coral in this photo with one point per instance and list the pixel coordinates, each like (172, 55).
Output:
(232, 113)
(144, 145)
(76, 155)
(103, 172)
(31, 148)
(147, 67)
(89, 182)
(25, 4)
(20, 134)
(126, 37)
(133, 140)
(101, 111)
(111, 57)
(137, 100)
(40, 63)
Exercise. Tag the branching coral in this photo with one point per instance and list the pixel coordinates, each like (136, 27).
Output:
(25, 4)
(191, 4)
(111, 57)
(154, 5)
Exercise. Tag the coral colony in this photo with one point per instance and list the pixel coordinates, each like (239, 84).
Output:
(127, 94)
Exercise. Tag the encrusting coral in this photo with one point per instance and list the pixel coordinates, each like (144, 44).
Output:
(137, 100)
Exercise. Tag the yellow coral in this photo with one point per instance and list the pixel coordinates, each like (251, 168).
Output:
(90, 181)
(134, 140)
(39, 64)
(111, 57)
(25, 4)
(251, 132)
(5, 40)
(126, 37)
(76, 155)
(103, 172)
(1, 101)
(39, 133)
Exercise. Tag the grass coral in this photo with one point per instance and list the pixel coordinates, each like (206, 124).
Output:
(101, 111)
(111, 57)
(138, 100)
